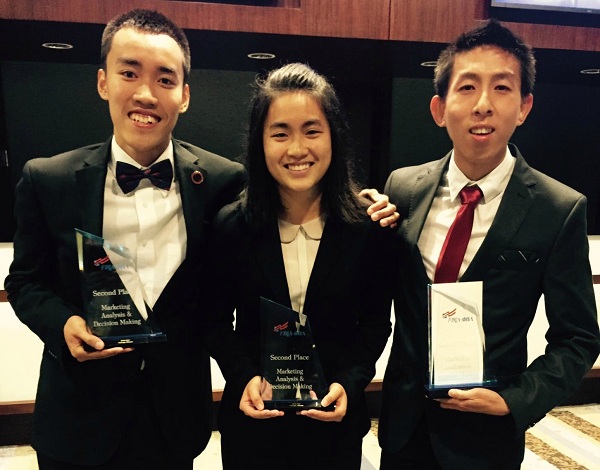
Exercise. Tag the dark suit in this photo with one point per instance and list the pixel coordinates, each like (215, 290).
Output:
(347, 303)
(82, 409)
(537, 244)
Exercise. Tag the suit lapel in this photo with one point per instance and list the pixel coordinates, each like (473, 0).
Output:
(515, 205)
(269, 258)
(421, 198)
(513, 209)
(334, 243)
(90, 181)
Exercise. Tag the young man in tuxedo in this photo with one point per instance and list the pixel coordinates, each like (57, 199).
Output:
(150, 406)
(147, 406)
(528, 238)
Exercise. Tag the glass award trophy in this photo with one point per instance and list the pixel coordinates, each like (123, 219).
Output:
(113, 295)
(292, 373)
(456, 338)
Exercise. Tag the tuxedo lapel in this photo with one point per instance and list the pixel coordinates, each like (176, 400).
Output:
(90, 181)
(193, 202)
(516, 203)
(193, 197)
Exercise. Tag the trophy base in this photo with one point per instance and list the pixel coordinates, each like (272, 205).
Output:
(132, 340)
(297, 405)
(441, 391)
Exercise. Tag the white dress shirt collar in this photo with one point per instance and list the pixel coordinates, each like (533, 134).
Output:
(491, 185)
(313, 229)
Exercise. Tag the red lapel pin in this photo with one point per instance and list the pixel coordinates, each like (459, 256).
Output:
(197, 177)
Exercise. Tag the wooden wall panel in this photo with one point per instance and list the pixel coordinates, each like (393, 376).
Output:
(348, 18)
(402, 20)
(443, 20)
(335, 18)
(433, 20)
(558, 37)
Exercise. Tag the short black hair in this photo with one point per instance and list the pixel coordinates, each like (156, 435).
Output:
(147, 21)
(490, 33)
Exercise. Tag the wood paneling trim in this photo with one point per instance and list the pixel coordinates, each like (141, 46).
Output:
(16, 407)
(374, 386)
(443, 20)
(333, 18)
(593, 374)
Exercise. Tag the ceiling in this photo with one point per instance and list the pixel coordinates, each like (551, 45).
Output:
(357, 59)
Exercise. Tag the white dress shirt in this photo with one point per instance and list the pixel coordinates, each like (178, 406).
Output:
(445, 207)
(299, 245)
(149, 221)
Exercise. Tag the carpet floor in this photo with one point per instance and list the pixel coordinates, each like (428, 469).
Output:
(568, 438)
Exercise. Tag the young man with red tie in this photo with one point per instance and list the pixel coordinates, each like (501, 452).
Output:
(526, 236)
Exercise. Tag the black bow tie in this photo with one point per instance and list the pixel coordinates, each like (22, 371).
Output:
(160, 175)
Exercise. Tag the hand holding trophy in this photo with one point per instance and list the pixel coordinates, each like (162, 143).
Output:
(292, 375)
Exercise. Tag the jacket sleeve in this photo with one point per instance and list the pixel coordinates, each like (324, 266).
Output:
(217, 324)
(373, 325)
(572, 336)
(32, 284)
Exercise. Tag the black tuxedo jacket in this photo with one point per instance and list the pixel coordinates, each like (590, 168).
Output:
(347, 302)
(537, 244)
(82, 409)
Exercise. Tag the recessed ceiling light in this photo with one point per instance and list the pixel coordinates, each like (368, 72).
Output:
(429, 63)
(591, 71)
(57, 45)
(261, 55)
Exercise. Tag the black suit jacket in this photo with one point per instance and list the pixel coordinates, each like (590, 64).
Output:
(537, 244)
(82, 409)
(348, 304)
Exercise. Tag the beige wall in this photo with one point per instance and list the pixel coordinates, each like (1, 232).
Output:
(20, 349)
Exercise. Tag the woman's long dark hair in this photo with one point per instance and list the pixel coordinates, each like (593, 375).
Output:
(339, 191)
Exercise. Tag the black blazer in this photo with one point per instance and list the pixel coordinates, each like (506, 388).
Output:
(537, 244)
(81, 409)
(348, 303)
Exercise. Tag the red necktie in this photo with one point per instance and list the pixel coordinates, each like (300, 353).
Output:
(457, 239)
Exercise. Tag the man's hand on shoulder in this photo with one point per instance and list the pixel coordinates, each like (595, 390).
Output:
(381, 210)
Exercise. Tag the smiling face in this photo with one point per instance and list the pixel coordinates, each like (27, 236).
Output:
(482, 109)
(144, 86)
(297, 144)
